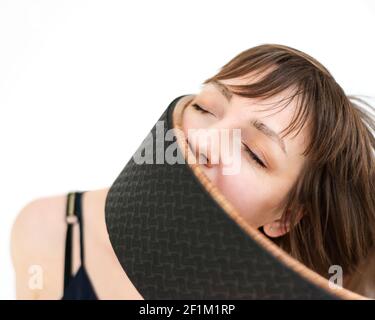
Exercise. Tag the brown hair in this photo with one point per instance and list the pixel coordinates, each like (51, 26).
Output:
(335, 187)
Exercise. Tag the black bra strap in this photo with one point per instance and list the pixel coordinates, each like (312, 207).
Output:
(79, 197)
(73, 215)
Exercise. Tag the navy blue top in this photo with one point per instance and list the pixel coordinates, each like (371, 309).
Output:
(77, 286)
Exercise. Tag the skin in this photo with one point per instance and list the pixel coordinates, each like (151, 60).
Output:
(255, 192)
(38, 238)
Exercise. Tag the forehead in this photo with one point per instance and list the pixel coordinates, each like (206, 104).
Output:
(276, 112)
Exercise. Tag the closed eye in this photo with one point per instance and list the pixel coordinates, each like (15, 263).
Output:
(199, 108)
(254, 157)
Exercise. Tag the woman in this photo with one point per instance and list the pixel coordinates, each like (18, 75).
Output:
(305, 180)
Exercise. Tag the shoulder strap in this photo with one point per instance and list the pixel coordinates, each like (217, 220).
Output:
(73, 216)
(78, 206)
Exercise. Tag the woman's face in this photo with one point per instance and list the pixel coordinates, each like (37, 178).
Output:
(260, 184)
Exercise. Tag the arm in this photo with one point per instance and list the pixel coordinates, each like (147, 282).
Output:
(37, 242)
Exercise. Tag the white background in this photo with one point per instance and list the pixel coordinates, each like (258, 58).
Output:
(82, 82)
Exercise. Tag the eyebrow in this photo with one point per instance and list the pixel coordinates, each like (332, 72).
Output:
(269, 133)
(228, 94)
(224, 90)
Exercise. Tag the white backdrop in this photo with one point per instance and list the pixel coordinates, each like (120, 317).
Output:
(82, 82)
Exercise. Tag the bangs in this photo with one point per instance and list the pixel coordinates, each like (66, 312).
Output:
(335, 186)
(282, 79)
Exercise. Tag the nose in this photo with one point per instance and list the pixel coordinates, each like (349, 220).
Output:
(201, 157)
(205, 147)
(205, 159)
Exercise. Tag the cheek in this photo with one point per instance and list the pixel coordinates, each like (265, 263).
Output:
(187, 122)
(192, 119)
(252, 194)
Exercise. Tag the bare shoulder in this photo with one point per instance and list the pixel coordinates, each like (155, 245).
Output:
(38, 244)
(38, 219)
(36, 234)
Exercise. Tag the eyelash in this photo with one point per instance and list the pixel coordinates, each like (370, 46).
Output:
(199, 108)
(253, 156)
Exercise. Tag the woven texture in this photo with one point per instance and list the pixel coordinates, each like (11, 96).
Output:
(174, 241)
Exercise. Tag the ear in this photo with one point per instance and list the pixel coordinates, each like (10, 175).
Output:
(277, 228)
